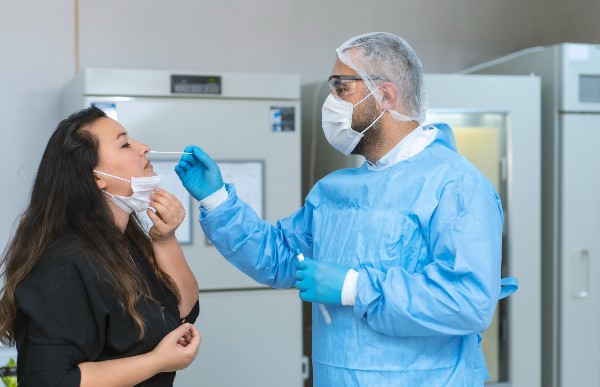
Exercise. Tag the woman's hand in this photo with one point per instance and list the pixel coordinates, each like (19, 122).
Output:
(172, 354)
(169, 355)
(169, 215)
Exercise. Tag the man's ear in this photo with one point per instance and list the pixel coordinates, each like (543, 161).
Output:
(389, 96)
(100, 181)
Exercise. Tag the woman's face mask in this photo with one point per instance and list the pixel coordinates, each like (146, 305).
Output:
(142, 187)
(337, 124)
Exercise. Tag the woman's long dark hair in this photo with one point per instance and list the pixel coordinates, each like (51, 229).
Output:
(66, 201)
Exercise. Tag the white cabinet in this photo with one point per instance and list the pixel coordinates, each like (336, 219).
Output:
(570, 75)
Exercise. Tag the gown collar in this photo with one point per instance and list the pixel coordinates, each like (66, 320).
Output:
(412, 144)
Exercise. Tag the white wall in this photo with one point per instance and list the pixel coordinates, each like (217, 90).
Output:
(36, 59)
(300, 36)
(37, 48)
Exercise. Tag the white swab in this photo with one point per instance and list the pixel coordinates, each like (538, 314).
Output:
(179, 153)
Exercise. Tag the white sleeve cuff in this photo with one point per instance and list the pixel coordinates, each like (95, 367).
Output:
(213, 200)
(350, 288)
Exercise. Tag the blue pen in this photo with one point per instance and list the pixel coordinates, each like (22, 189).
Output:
(322, 307)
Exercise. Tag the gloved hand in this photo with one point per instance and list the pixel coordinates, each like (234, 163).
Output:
(199, 174)
(320, 281)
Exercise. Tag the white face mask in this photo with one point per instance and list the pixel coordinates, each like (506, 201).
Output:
(337, 124)
(143, 188)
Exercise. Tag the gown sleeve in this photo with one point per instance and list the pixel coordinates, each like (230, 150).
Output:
(66, 315)
(262, 251)
(457, 292)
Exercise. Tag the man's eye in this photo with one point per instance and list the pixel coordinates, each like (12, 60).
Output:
(126, 145)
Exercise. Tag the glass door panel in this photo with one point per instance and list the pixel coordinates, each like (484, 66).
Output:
(481, 138)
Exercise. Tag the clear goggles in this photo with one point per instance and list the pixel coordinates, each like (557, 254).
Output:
(341, 86)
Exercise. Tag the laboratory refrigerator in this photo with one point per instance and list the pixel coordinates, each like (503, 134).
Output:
(500, 134)
(250, 125)
(570, 74)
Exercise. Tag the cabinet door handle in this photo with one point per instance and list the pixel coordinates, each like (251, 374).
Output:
(305, 367)
(581, 274)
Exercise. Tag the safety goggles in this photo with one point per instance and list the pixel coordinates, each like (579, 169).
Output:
(341, 86)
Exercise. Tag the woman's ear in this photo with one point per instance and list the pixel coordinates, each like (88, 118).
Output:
(100, 181)
(389, 96)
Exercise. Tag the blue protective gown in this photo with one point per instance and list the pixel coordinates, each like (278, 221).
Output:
(425, 235)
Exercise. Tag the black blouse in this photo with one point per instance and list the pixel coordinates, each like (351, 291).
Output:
(68, 313)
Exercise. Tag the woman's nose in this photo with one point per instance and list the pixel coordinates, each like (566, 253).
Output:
(143, 148)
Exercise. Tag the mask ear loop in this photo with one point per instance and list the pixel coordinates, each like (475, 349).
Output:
(366, 96)
(109, 175)
(374, 122)
(378, 117)
(113, 176)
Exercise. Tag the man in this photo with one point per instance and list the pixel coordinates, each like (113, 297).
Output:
(406, 250)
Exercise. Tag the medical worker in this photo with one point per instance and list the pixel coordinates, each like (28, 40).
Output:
(404, 251)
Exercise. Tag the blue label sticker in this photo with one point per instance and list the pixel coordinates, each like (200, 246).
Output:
(282, 119)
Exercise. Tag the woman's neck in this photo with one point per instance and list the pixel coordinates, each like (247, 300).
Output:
(120, 217)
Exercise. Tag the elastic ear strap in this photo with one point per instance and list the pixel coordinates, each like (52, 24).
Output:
(374, 122)
(113, 176)
(108, 193)
(365, 97)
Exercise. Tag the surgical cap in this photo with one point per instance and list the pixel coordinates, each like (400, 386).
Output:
(381, 54)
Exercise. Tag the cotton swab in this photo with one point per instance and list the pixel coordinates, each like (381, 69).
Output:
(178, 153)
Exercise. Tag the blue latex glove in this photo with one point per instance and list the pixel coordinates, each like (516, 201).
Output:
(320, 281)
(199, 174)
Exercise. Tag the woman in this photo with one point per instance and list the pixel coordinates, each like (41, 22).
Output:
(89, 298)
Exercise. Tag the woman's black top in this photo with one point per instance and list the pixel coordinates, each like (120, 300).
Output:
(68, 313)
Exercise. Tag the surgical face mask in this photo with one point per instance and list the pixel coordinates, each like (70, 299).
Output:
(337, 124)
(143, 188)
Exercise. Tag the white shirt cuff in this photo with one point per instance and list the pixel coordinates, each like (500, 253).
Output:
(350, 288)
(213, 200)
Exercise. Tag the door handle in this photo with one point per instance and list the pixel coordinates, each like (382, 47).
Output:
(305, 367)
(581, 274)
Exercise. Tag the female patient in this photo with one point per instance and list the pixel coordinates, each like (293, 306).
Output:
(89, 298)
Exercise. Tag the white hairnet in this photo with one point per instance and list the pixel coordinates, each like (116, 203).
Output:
(381, 54)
